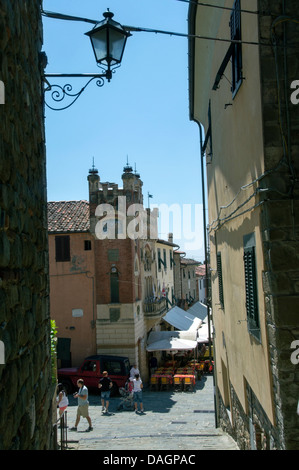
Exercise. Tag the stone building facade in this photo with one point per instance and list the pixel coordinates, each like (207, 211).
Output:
(185, 281)
(25, 376)
(240, 91)
(114, 287)
(125, 265)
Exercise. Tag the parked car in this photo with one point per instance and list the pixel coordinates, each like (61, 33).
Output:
(91, 371)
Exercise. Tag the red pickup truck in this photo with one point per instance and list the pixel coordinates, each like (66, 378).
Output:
(91, 371)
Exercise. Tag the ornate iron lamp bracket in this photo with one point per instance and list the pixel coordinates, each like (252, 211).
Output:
(59, 93)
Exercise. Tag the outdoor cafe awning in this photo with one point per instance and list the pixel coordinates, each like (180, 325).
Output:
(182, 320)
(199, 310)
(203, 333)
(172, 344)
(171, 340)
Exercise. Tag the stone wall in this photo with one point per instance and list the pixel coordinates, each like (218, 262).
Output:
(251, 429)
(279, 220)
(25, 378)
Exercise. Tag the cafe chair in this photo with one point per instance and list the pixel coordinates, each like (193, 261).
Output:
(188, 383)
(165, 382)
(178, 383)
(154, 382)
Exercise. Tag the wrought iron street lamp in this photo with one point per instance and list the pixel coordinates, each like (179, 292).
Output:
(108, 39)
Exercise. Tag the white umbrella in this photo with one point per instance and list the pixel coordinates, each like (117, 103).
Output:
(171, 344)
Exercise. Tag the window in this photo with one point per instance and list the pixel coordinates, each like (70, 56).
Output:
(89, 366)
(251, 285)
(164, 256)
(87, 245)
(235, 30)
(160, 260)
(113, 255)
(171, 259)
(114, 314)
(234, 52)
(62, 248)
(220, 280)
(113, 367)
(114, 286)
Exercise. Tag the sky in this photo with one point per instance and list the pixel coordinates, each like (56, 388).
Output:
(140, 116)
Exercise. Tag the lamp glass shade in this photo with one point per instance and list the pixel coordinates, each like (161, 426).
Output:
(99, 44)
(108, 40)
(117, 42)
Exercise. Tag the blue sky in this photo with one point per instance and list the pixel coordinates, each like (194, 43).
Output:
(142, 114)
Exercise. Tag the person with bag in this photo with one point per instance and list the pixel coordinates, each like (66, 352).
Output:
(83, 405)
(62, 399)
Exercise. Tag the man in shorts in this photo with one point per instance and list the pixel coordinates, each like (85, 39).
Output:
(105, 385)
(83, 405)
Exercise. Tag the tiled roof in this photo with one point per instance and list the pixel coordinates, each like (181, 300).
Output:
(201, 270)
(68, 216)
(189, 261)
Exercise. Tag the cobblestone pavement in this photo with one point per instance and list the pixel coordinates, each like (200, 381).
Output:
(180, 421)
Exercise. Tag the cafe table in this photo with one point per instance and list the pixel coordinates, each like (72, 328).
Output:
(182, 377)
(164, 379)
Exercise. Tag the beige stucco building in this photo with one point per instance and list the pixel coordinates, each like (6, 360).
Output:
(72, 280)
(239, 96)
(185, 283)
(165, 272)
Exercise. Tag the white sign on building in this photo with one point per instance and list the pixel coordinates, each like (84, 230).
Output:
(2, 93)
(2, 353)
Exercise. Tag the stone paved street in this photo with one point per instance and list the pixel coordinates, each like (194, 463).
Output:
(180, 421)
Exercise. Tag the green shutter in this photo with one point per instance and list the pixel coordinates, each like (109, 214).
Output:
(114, 288)
(251, 288)
(220, 279)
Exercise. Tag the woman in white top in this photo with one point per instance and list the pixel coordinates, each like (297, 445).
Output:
(137, 390)
(62, 399)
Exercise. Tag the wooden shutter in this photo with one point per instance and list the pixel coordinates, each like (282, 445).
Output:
(251, 287)
(62, 248)
(235, 30)
(220, 279)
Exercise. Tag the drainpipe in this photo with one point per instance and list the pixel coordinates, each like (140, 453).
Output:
(207, 274)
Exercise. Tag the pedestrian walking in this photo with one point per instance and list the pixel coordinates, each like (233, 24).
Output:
(105, 385)
(83, 405)
(134, 370)
(153, 364)
(137, 393)
(62, 399)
